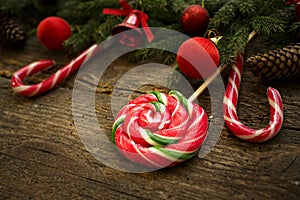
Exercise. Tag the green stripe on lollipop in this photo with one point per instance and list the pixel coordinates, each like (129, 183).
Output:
(186, 104)
(176, 154)
(115, 126)
(159, 139)
(158, 106)
(160, 97)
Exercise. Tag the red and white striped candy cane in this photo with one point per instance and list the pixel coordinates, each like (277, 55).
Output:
(230, 113)
(46, 85)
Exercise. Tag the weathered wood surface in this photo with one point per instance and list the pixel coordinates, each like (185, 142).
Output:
(42, 156)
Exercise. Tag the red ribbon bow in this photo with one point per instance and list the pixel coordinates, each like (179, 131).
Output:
(127, 9)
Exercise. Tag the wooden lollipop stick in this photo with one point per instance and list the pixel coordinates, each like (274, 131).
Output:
(210, 79)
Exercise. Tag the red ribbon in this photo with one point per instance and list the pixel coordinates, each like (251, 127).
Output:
(127, 9)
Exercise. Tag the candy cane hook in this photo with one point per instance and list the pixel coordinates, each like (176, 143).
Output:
(230, 113)
(34, 90)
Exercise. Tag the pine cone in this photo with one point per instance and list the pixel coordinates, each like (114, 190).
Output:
(12, 34)
(280, 64)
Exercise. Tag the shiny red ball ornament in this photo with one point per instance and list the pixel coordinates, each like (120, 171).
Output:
(194, 20)
(198, 58)
(53, 31)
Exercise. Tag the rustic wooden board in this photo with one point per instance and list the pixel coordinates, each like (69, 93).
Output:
(43, 157)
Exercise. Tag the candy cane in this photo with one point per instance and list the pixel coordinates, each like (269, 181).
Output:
(56, 78)
(230, 113)
(158, 130)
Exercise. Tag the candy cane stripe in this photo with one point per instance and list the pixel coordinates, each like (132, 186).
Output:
(30, 68)
(276, 107)
(22, 88)
(233, 121)
(31, 90)
(38, 88)
(237, 71)
(233, 85)
(56, 76)
(230, 114)
(228, 102)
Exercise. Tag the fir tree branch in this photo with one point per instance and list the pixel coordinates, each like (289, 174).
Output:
(233, 45)
(268, 25)
(224, 16)
(294, 29)
(266, 8)
(14, 6)
(212, 6)
(80, 40)
(246, 7)
(104, 30)
(157, 50)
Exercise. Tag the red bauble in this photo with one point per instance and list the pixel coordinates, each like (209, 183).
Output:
(194, 20)
(52, 32)
(198, 58)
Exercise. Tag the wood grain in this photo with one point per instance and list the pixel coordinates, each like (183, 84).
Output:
(43, 157)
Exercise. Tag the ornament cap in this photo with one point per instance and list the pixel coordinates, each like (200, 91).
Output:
(216, 39)
(213, 35)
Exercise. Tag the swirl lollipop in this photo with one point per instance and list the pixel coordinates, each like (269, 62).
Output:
(158, 130)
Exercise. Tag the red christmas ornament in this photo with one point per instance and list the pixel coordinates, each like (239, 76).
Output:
(134, 19)
(198, 58)
(52, 32)
(194, 20)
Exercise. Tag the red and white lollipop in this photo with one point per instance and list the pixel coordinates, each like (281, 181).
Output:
(158, 130)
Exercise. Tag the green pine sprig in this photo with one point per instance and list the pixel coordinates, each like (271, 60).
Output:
(234, 20)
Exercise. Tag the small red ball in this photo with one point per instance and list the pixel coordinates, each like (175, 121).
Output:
(198, 58)
(52, 32)
(194, 20)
